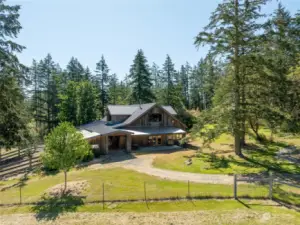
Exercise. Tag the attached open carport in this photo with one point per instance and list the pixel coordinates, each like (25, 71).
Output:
(106, 141)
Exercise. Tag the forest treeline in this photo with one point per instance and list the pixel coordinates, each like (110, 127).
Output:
(249, 77)
(81, 95)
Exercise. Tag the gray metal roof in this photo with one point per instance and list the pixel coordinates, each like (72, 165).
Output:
(130, 109)
(122, 109)
(137, 113)
(98, 127)
(154, 130)
(169, 109)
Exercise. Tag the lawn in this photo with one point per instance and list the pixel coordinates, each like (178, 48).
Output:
(178, 212)
(219, 157)
(120, 184)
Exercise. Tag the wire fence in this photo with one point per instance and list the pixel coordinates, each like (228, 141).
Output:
(140, 191)
(270, 187)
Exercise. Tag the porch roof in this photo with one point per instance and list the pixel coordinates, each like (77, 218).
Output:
(154, 130)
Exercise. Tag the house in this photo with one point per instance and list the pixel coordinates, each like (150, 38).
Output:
(131, 126)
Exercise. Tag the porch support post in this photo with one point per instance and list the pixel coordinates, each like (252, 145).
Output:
(128, 142)
(106, 144)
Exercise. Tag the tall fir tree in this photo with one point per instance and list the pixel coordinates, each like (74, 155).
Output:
(232, 31)
(184, 80)
(79, 103)
(102, 77)
(12, 118)
(280, 54)
(75, 70)
(47, 93)
(113, 89)
(168, 78)
(140, 80)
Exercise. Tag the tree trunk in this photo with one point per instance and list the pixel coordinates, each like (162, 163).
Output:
(243, 106)
(243, 134)
(30, 162)
(237, 119)
(65, 189)
(255, 127)
(102, 97)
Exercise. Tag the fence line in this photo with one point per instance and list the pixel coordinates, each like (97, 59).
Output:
(153, 194)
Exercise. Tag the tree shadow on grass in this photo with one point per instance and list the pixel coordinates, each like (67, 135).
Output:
(265, 155)
(50, 207)
(21, 183)
(287, 197)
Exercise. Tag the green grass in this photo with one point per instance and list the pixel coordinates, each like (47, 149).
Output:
(219, 158)
(163, 206)
(121, 184)
(206, 163)
(248, 212)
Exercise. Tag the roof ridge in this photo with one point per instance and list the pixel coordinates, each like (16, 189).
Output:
(134, 104)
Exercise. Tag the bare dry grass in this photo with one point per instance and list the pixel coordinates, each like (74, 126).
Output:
(74, 188)
(241, 216)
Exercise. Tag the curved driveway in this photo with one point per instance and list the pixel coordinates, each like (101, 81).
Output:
(143, 164)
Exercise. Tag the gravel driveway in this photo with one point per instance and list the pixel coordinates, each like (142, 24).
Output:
(143, 164)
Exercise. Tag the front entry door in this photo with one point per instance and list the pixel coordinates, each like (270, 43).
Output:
(156, 140)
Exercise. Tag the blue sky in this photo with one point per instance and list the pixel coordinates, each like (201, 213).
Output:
(117, 29)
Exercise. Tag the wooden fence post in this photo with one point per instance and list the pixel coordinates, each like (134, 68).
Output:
(271, 186)
(103, 196)
(145, 194)
(20, 194)
(189, 195)
(235, 187)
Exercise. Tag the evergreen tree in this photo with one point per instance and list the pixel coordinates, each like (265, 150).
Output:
(184, 80)
(155, 75)
(280, 54)
(232, 31)
(79, 103)
(113, 89)
(87, 103)
(87, 74)
(12, 75)
(44, 98)
(141, 80)
(168, 78)
(68, 103)
(102, 78)
(75, 70)
(125, 92)
(198, 95)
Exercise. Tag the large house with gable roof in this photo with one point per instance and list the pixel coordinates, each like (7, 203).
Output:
(131, 126)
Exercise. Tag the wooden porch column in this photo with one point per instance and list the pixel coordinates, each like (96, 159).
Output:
(105, 144)
(128, 142)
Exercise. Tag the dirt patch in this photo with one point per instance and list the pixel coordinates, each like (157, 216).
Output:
(74, 188)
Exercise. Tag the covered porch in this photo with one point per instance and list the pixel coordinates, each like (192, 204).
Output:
(159, 148)
(160, 136)
(117, 140)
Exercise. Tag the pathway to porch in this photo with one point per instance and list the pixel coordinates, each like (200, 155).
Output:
(141, 161)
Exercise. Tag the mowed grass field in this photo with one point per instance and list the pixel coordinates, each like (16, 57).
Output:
(119, 184)
(178, 212)
(219, 157)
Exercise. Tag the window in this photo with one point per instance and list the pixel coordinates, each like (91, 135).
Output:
(170, 137)
(155, 117)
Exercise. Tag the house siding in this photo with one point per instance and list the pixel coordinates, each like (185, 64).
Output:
(165, 122)
(118, 118)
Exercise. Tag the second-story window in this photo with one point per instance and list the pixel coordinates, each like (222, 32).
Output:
(155, 117)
